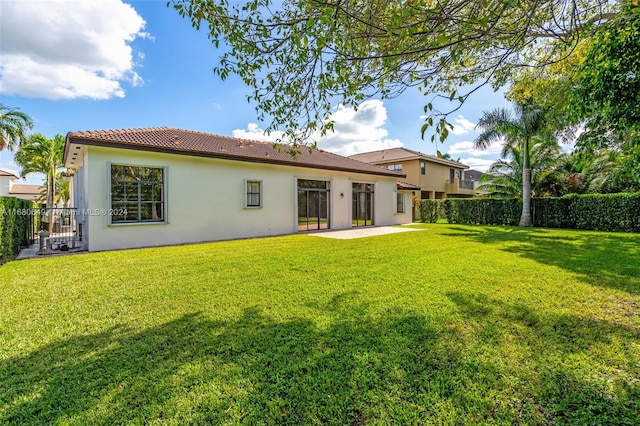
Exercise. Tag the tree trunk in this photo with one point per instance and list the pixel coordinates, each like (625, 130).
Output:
(525, 219)
(51, 187)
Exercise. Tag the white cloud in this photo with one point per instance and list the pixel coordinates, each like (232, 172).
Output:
(354, 131)
(11, 167)
(254, 132)
(66, 49)
(359, 131)
(477, 163)
(462, 126)
(467, 147)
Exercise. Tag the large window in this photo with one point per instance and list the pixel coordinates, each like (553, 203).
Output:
(399, 202)
(254, 194)
(395, 167)
(137, 194)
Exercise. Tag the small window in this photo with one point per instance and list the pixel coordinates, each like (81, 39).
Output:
(399, 202)
(423, 167)
(395, 167)
(254, 194)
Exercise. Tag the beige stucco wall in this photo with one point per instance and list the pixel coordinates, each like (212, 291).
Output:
(205, 200)
(435, 177)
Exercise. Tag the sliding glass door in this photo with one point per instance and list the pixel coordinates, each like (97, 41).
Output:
(313, 205)
(362, 208)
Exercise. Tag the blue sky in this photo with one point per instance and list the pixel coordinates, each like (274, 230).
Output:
(111, 64)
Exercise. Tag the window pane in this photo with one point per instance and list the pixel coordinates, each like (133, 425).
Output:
(118, 211)
(117, 191)
(132, 212)
(152, 211)
(253, 200)
(117, 172)
(253, 187)
(317, 184)
(146, 192)
(155, 174)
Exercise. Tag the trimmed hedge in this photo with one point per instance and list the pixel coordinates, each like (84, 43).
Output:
(15, 229)
(599, 212)
(472, 211)
(430, 211)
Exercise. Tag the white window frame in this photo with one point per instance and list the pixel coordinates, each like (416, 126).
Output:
(260, 193)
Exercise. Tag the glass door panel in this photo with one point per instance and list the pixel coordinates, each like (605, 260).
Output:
(313, 205)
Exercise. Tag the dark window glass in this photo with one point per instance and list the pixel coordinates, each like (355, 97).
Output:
(314, 184)
(137, 194)
(400, 202)
(253, 193)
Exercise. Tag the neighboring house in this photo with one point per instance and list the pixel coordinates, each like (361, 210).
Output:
(474, 176)
(26, 191)
(9, 188)
(437, 177)
(6, 179)
(162, 186)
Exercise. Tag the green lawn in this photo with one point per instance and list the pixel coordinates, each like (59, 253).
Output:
(451, 325)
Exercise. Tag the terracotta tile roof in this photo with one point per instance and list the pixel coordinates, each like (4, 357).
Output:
(407, 186)
(386, 156)
(26, 189)
(6, 173)
(188, 142)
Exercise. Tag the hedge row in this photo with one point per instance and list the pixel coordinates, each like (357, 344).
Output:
(601, 212)
(472, 211)
(15, 227)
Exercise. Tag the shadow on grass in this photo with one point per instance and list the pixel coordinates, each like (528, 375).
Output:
(558, 346)
(602, 259)
(391, 368)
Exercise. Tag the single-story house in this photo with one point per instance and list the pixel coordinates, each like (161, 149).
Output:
(164, 186)
(9, 187)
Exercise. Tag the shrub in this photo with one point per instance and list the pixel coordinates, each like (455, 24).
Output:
(15, 228)
(601, 212)
(482, 211)
(430, 210)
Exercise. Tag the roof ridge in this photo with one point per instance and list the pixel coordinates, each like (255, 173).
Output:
(222, 136)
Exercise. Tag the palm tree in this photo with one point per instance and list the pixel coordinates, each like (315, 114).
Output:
(518, 130)
(62, 194)
(447, 156)
(503, 179)
(42, 155)
(14, 126)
